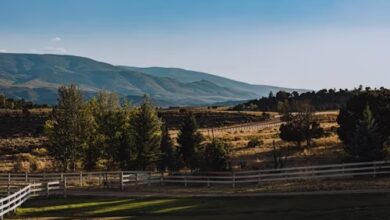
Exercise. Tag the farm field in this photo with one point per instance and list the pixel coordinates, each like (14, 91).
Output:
(356, 207)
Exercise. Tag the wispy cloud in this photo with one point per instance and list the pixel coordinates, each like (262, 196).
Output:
(33, 51)
(55, 49)
(3, 51)
(56, 39)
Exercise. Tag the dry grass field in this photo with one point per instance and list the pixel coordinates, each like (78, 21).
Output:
(27, 153)
(325, 150)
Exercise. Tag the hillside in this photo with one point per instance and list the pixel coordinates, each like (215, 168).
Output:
(36, 77)
(187, 76)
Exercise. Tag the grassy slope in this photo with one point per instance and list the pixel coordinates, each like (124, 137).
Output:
(36, 78)
(294, 207)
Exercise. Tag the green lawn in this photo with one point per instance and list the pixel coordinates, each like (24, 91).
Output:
(352, 207)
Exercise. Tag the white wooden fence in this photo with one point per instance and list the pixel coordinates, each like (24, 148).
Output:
(31, 184)
(346, 170)
(121, 179)
(15, 199)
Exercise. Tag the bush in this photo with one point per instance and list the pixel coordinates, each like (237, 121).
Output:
(255, 142)
(216, 155)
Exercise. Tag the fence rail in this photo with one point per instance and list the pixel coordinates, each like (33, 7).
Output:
(121, 179)
(18, 187)
(15, 199)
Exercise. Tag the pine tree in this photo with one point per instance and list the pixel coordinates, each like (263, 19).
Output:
(365, 144)
(168, 159)
(146, 134)
(68, 129)
(190, 140)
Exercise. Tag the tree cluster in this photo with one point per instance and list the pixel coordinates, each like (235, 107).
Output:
(295, 102)
(10, 103)
(365, 125)
(103, 133)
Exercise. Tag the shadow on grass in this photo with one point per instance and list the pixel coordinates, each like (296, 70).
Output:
(94, 207)
(300, 207)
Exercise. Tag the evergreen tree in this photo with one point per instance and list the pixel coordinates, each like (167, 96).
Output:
(357, 116)
(365, 144)
(190, 140)
(126, 150)
(168, 159)
(68, 129)
(146, 134)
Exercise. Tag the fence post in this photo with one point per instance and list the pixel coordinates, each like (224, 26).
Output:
(374, 170)
(258, 178)
(26, 177)
(1, 210)
(9, 184)
(149, 178)
(64, 186)
(121, 180)
(47, 189)
(208, 181)
(136, 178)
(185, 179)
(234, 180)
(81, 178)
(106, 180)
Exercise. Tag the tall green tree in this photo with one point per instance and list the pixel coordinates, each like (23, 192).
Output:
(168, 157)
(68, 129)
(126, 149)
(104, 108)
(365, 143)
(189, 140)
(146, 134)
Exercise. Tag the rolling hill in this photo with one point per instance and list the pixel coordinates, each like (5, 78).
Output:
(193, 76)
(36, 77)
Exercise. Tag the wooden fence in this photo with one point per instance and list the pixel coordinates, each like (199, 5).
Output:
(17, 198)
(121, 179)
(243, 127)
(17, 187)
(346, 170)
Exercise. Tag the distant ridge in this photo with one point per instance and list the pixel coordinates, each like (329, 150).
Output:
(36, 77)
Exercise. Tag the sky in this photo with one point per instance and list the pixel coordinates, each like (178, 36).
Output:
(311, 44)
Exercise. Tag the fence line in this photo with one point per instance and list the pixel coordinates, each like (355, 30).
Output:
(121, 179)
(16, 199)
(38, 184)
(243, 127)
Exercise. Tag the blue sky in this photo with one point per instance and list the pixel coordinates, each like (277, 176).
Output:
(294, 43)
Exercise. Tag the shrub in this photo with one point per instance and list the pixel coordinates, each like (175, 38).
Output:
(216, 155)
(255, 142)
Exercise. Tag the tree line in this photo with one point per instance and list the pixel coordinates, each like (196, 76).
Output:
(106, 133)
(284, 102)
(11, 103)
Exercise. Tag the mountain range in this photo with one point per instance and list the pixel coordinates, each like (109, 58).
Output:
(36, 77)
